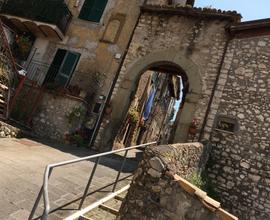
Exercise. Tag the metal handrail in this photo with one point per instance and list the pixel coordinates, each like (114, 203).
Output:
(49, 168)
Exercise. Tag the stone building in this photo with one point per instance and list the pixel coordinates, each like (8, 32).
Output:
(225, 64)
(240, 166)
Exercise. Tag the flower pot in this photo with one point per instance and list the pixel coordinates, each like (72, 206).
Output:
(108, 110)
(192, 130)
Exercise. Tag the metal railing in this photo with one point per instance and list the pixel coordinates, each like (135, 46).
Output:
(44, 191)
(39, 72)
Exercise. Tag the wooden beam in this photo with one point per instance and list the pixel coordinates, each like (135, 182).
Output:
(109, 209)
(119, 198)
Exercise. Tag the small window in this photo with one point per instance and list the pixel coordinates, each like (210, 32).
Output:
(92, 10)
(226, 124)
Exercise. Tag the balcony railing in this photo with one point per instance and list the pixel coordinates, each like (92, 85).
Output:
(53, 12)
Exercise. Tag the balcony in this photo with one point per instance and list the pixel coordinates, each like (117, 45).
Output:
(43, 18)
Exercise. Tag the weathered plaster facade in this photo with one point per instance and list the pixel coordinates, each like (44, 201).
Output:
(89, 39)
(101, 47)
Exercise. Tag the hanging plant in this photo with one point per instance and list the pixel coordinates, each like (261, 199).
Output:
(77, 114)
(24, 44)
(194, 126)
(133, 115)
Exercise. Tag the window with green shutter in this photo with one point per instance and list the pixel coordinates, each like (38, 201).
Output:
(92, 10)
(62, 67)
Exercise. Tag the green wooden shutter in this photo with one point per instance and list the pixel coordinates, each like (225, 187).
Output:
(92, 10)
(55, 66)
(67, 68)
(86, 9)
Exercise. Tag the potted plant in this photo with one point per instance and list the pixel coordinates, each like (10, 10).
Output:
(108, 109)
(24, 44)
(133, 115)
(194, 126)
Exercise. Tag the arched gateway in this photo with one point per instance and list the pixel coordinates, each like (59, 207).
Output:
(168, 38)
(171, 60)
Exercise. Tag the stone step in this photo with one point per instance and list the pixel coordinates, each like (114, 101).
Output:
(107, 210)
(100, 214)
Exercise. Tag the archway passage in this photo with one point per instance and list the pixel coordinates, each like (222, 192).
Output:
(170, 61)
(151, 116)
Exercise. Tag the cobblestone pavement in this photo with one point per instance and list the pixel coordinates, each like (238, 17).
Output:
(22, 163)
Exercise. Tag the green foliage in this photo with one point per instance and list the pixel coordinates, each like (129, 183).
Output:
(77, 114)
(78, 139)
(197, 180)
(133, 115)
(24, 45)
(204, 183)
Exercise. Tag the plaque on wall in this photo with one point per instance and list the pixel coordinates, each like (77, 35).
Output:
(226, 124)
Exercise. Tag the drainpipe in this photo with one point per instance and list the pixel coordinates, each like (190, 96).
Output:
(216, 83)
(108, 97)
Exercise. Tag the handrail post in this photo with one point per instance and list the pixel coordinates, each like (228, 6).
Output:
(36, 204)
(120, 171)
(33, 211)
(47, 175)
(89, 182)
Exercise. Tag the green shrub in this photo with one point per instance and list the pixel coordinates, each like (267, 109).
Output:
(204, 183)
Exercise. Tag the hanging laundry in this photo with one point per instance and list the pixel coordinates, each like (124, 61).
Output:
(149, 103)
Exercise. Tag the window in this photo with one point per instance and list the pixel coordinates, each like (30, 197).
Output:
(62, 67)
(92, 10)
(226, 124)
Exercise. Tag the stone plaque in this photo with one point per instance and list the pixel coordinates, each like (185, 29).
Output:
(226, 124)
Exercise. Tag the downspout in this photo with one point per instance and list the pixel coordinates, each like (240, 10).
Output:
(216, 83)
(108, 98)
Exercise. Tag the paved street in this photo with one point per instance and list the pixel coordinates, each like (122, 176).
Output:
(22, 163)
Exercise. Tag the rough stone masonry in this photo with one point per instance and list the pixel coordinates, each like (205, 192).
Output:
(240, 165)
(158, 193)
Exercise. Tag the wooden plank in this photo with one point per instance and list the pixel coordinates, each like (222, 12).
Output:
(224, 215)
(84, 218)
(109, 209)
(120, 198)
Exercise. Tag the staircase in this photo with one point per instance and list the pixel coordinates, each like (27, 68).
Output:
(107, 210)
(8, 73)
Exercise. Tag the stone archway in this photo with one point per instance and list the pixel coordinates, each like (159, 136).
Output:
(127, 86)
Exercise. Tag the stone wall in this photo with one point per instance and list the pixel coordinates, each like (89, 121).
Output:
(157, 192)
(8, 131)
(240, 165)
(51, 119)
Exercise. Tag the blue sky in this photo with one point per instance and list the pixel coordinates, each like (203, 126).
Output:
(250, 10)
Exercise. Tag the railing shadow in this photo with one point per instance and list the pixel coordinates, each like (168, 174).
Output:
(44, 192)
(111, 161)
